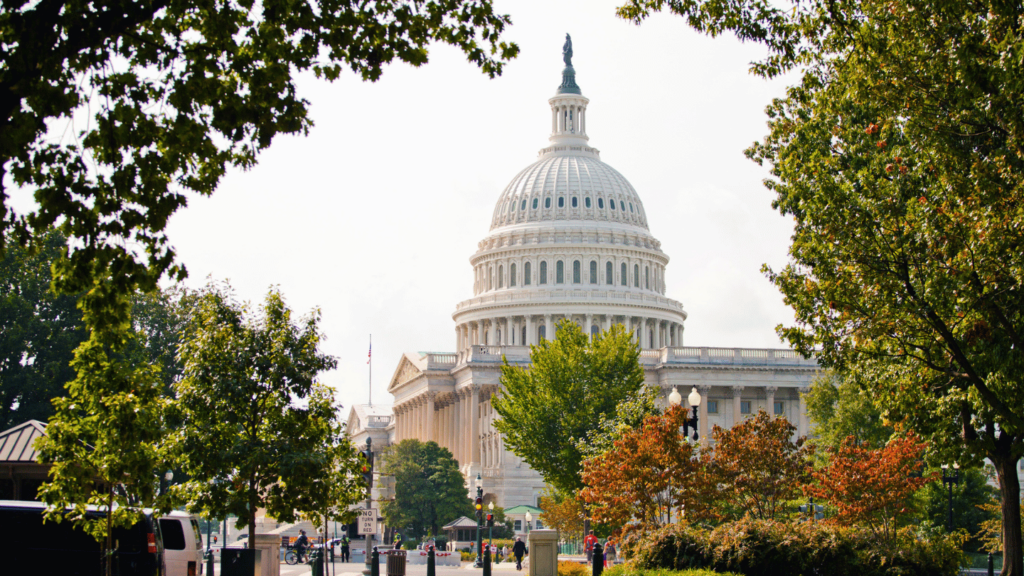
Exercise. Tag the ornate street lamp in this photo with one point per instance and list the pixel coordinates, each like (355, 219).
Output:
(694, 399)
(529, 519)
(479, 516)
(950, 478)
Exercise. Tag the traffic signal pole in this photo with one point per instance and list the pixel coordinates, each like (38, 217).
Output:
(368, 478)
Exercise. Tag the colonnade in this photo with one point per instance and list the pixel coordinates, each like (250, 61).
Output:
(462, 420)
(524, 330)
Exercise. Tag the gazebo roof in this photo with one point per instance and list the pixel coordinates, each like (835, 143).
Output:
(17, 444)
(462, 522)
(523, 509)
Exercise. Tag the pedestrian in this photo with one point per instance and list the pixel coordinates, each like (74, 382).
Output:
(504, 551)
(519, 550)
(301, 543)
(609, 553)
(588, 545)
(345, 553)
(398, 540)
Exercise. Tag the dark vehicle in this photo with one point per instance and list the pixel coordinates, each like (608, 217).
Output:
(30, 546)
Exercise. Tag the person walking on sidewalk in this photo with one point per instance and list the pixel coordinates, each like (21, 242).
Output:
(519, 550)
(588, 544)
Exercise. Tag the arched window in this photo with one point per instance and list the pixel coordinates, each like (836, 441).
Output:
(511, 275)
(647, 277)
(534, 203)
(600, 203)
(586, 201)
(636, 275)
(501, 276)
(593, 271)
(542, 332)
(622, 205)
(522, 205)
(623, 280)
(575, 202)
(608, 276)
(576, 271)
(547, 202)
(526, 274)
(630, 207)
(559, 272)
(543, 273)
(612, 204)
(595, 330)
(561, 201)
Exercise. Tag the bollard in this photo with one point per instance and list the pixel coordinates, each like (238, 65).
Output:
(598, 559)
(487, 561)
(375, 564)
(991, 565)
(209, 563)
(431, 570)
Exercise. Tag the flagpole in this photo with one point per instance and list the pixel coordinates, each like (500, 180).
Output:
(369, 362)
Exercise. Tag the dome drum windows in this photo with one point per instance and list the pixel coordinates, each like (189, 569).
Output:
(575, 202)
(609, 276)
(526, 274)
(623, 278)
(647, 277)
(547, 202)
(512, 276)
(593, 271)
(561, 201)
(535, 203)
(600, 203)
(501, 276)
(543, 273)
(622, 205)
(636, 275)
(586, 201)
(559, 272)
(611, 203)
(576, 272)
(522, 205)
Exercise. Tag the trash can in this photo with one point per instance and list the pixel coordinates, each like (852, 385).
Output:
(240, 562)
(396, 563)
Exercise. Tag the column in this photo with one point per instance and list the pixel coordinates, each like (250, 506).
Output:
(430, 437)
(589, 323)
(804, 424)
(492, 331)
(457, 427)
(737, 391)
(531, 338)
(449, 438)
(770, 393)
(656, 334)
(547, 327)
(474, 419)
(606, 323)
(510, 331)
(467, 428)
(639, 329)
(705, 392)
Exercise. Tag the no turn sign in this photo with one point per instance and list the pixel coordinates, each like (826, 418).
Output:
(368, 521)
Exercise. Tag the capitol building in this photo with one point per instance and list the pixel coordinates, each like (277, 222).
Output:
(569, 239)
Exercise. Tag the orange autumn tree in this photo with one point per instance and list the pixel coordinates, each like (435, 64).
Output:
(758, 466)
(648, 475)
(562, 512)
(872, 487)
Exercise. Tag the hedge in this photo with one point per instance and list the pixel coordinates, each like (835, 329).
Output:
(631, 570)
(763, 548)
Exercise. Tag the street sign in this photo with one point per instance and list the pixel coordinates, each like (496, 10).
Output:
(368, 521)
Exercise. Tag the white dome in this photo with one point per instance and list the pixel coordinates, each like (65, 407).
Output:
(569, 187)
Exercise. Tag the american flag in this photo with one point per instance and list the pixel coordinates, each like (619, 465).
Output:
(369, 354)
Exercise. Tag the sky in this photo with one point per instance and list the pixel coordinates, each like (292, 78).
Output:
(373, 216)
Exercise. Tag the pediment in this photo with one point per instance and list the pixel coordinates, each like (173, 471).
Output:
(409, 368)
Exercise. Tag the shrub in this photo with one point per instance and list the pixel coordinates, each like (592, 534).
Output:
(631, 570)
(764, 547)
(568, 568)
(467, 556)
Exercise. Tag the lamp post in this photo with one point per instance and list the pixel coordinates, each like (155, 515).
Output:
(529, 519)
(949, 478)
(479, 516)
(675, 399)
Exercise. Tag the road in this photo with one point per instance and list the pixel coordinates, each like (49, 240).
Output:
(355, 569)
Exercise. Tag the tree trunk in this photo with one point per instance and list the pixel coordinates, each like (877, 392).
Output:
(110, 531)
(1009, 490)
(252, 514)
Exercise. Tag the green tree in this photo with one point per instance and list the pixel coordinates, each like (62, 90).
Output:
(39, 331)
(257, 430)
(972, 498)
(429, 489)
(898, 155)
(839, 407)
(166, 96)
(573, 384)
(104, 441)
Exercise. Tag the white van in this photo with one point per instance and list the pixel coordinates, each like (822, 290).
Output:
(183, 544)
